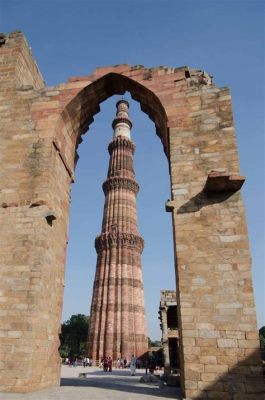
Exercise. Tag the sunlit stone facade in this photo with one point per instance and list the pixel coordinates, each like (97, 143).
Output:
(40, 131)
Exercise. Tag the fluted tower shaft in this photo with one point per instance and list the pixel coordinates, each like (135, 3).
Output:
(117, 318)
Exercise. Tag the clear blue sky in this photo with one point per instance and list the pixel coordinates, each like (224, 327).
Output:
(225, 38)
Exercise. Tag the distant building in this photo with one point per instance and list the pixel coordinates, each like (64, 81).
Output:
(169, 326)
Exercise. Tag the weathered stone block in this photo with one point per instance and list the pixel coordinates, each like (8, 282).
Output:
(208, 360)
(227, 343)
(216, 368)
(248, 344)
(209, 377)
(209, 333)
(213, 394)
(191, 384)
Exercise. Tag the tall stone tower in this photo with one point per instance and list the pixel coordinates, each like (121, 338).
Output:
(117, 318)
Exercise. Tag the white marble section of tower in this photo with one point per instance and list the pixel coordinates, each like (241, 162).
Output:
(122, 124)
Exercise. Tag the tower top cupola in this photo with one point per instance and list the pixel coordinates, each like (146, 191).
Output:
(122, 123)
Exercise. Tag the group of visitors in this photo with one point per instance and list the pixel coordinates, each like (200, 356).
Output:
(86, 362)
(71, 362)
(106, 362)
(122, 363)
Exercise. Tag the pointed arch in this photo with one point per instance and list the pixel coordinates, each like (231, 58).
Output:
(78, 114)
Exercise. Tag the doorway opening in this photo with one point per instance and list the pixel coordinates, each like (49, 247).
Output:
(87, 201)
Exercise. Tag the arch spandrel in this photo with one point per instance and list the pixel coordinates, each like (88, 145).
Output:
(161, 92)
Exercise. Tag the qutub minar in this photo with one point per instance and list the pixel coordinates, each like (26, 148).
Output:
(117, 317)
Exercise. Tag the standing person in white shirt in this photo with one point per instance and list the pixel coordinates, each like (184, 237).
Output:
(133, 365)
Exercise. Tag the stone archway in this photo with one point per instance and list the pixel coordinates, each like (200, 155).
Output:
(75, 118)
(41, 131)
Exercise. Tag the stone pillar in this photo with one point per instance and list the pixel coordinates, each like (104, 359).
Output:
(165, 338)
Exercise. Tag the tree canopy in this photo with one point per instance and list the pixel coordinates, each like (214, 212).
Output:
(73, 336)
(262, 341)
(153, 343)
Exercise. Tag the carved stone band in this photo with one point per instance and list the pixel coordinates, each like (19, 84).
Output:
(108, 240)
(135, 308)
(121, 141)
(119, 282)
(120, 183)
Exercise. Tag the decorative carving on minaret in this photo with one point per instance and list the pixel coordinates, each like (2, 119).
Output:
(117, 320)
(108, 240)
(120, 183)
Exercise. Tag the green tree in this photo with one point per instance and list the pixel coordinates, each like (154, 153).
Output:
(73, 336)
(262, 341)
(153, 343)
(149, 342)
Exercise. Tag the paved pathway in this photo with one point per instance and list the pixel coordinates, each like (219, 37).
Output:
(117, 385)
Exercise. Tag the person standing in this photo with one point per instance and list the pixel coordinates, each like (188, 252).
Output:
(121, 362)
(105, 364)
(133, 365)
(152, 366)
(110, 364)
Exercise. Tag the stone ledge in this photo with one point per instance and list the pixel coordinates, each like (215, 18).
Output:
(220, 182)
(170, 205)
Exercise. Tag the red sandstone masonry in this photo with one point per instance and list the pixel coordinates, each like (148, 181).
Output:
(118, 286)
(40, 132)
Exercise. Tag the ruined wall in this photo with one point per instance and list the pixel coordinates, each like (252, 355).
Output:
(32, 251)
(40, 130)
(217, 311)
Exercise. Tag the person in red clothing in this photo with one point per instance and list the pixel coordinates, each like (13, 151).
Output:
(105, 364)
(110, 364)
